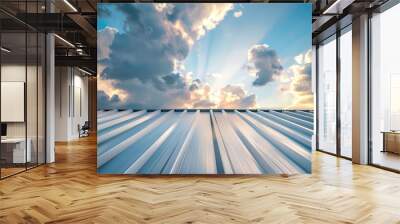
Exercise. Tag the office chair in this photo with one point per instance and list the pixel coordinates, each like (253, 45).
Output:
(84, 130)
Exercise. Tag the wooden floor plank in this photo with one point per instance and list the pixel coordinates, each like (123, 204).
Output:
(70, 191)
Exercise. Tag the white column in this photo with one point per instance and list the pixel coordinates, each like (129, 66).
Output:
(50, 100)
(360, 90)
(50, 92)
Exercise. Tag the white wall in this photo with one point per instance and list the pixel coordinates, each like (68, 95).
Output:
(70, 84)
(80, 105)
(62, 81)
(13, 101)
(17, 73)
(12, 73)
(33, 126)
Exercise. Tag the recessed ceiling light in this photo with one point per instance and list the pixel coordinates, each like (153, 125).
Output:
(64, 40)
(5, 50)
(70, 5)
(337, 7)
(84, 71)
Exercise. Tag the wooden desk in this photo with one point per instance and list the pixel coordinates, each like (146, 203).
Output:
(391, 141)
(13, 150)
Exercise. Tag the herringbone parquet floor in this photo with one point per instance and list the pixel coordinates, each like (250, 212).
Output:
(70, 191)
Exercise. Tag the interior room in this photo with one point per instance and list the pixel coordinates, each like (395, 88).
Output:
(22, 99)
(25, 64)
(57, 139)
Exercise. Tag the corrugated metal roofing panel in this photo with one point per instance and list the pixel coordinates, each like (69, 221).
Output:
(204, 142)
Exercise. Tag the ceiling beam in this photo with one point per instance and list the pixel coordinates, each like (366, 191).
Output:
(84, 24)
(78, 61)
(48, 22)
(338, 6)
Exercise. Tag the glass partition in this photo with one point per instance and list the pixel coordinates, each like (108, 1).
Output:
(14, 153)
(346, 92)
(327, 95)
(31, 97)
(385, 89)
(22, 77)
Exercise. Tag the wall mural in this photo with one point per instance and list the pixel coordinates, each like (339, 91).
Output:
(204, 88)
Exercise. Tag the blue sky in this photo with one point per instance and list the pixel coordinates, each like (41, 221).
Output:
(284, 29)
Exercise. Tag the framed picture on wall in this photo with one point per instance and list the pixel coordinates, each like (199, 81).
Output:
(204, 88)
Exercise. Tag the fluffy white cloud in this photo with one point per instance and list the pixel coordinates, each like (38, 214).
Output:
(304, 58)
(105, 38)
(234, 96)
(230, 96)
(194, 94)
(263, 63)
(143, 64)
(107, 92)
(194, 21)
(237, 14)
(299, 85)
(108, 95)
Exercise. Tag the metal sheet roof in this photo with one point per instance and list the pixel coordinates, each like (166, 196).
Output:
(204, 142)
